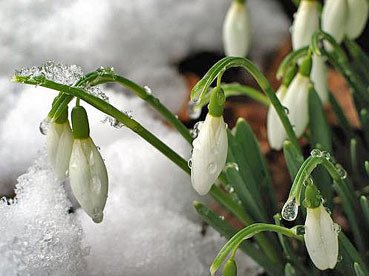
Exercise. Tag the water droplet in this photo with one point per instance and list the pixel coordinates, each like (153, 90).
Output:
(193, 111)
(231, 165)
(336, 228)
(339, 258)
(212, 167)
(341, 171)
(286, 110)
(148, 90)
(189, 163)
(44, 126)
(316, 153)
(328, 210)
(196, 129)
(326, 155)
(222, 217)
(300, 230)
(290, 210)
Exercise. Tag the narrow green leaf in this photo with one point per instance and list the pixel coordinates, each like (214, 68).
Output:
(293, 157)
(350, 252)
(365, 208)
(289, 270)
(364, 118)
(341, 117)
(359, 270)
(242, 180)
(254, 158)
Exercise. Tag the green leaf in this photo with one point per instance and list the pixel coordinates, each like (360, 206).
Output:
(256, 162)
(341, 117)
(365, 208)
(293, 158)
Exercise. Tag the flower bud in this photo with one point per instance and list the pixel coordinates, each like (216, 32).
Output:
(230, 268)
(210, 148)
(334, 18)
(357, 17)
(87, 171)
(306, 22)
(236, 30)
(321, 238)
(59, 145)
(319, 77)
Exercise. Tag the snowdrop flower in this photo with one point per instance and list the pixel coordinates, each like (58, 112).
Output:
(357, 16)
(334, 18)
(321, 234)
(306, 22)
(87, 171)
(319, 77)
(211, 146)
(236, 30)
(275, 129)
(296, 99)
(59, 145)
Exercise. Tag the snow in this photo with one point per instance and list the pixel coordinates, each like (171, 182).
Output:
(150, 227)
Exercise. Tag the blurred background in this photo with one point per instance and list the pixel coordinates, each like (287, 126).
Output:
(167, 46)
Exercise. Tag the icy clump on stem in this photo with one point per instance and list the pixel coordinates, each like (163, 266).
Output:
(38, 236)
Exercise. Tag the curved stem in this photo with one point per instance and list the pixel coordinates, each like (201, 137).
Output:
(348, 201)
(291, 60)
(200, 89)
(101, 76)
(247, 233)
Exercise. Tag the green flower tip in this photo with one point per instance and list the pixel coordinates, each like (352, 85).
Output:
(216, 103)
(290, 74)
(313, 199)
(81, 129)
(305, 68)
(230, 268)
(63, 118)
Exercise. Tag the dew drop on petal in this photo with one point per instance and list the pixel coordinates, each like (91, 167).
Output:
(336, 228)
(212, 168)
(193, 111)
(290, 210)
(189, 163)
(44, 126)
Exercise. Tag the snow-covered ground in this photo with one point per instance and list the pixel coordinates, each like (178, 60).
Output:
(149, 227)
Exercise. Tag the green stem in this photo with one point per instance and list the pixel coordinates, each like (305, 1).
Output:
(291, 60)
(245, 234)
(105, 76)
(200, 89)
(340, 186)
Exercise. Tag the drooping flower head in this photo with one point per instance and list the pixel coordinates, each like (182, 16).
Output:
(321, 235)
(236, 30)
(87, 171)
(306, 22)
(211, 146)
(59, 144)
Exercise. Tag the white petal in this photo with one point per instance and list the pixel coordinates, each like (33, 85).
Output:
(319, 76)
(357, 17)
(321, 238)
(236, 30)
(88, 178)
(209, 154)
(276, 132)
(334, 17)
(306, 22)
(296, 101)
(59, 147)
